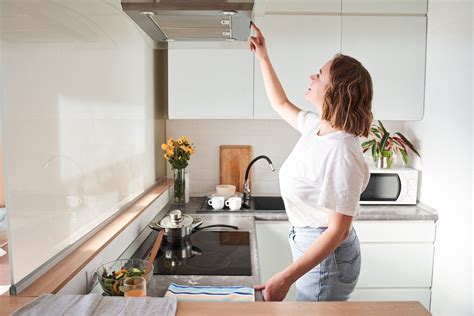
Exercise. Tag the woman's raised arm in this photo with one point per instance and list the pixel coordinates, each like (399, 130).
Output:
(278, 99)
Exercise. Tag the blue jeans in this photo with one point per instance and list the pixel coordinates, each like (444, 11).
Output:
(336, 276)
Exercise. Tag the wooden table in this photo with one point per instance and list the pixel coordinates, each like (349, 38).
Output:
(9, 304)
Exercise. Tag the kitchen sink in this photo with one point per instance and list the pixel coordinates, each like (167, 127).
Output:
(266, 203)
(272, 204)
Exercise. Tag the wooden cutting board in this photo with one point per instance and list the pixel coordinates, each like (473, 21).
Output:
(234, 160)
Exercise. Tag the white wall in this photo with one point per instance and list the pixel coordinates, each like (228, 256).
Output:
(78, 102)
(273, 138)
(445, 140)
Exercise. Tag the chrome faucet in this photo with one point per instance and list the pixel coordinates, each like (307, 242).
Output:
(246, 198)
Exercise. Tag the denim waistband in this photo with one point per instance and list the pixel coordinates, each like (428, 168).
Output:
(312, 230)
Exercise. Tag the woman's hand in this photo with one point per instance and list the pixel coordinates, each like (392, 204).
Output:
(275, 288)
(257, 43)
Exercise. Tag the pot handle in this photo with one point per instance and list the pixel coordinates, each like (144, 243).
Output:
(196, 223)
(155, 226)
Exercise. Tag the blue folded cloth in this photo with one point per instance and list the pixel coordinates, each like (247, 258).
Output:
(211, 293)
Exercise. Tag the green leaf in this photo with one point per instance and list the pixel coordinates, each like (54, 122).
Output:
(382, 127)
(384, 141)
(404, 155)
(398, 143)
(376, 132)
(367, 144)
(407, 142)
(374, 151)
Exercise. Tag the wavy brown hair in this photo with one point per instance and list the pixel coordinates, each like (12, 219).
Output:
(348, 100)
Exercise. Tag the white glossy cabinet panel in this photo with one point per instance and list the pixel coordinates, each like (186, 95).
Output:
(398, 265)
(298, 46)
(392, 48)
(395, 231)
(210, 83)
(397, 258)
(313, 6)
(274, 253)
(385, 6)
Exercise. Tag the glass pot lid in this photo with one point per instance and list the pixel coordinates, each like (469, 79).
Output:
(176, 219)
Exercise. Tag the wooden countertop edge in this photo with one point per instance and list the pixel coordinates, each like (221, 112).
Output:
(56, 277)
(9, 304)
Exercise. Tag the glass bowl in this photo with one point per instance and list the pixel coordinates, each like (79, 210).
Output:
(111, 274)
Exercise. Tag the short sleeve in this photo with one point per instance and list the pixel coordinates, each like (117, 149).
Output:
(307, 121)
(342, 186)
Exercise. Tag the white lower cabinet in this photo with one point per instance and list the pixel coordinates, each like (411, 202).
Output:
(397, 258)
(274, 252)
(397, 261)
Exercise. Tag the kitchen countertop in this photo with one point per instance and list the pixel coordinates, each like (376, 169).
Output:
(419, 211)
(8, 304)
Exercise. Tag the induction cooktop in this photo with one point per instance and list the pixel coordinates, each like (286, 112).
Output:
(203, 253)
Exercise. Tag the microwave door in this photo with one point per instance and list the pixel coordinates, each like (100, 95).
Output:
(383, 188)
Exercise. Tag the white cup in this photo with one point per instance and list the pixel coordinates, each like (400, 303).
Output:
(217, 202)
(234, 203)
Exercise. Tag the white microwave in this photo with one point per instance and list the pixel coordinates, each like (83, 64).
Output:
(391, 186)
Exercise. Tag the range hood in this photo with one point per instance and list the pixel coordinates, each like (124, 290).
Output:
(178, 20)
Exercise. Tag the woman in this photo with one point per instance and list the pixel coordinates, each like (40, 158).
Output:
(322, 178)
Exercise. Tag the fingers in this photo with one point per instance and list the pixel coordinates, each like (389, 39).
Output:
(259, 287)
(257, 31)
(253, 43)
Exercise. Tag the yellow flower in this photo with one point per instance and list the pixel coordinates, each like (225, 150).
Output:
(166, 156)
(180, 141)
(170, 142)
(169, 152)
(164, 146)
(185, 139)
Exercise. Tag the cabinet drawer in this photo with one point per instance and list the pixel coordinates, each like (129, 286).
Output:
(396, 265)
(395, 231)
(421, 295)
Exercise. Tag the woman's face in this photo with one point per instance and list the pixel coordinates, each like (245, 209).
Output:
(319, 83)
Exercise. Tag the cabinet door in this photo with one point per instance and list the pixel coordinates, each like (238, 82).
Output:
(396, 265)
(385, 6)
(392, 48)
(298, 46)
(210, 83)
(274, 253)
(313, 6)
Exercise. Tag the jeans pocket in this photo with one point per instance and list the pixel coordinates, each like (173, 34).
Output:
(348, 261)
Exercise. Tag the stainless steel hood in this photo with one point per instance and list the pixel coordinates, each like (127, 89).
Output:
(178, 20)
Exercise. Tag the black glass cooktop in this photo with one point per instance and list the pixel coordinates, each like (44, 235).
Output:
(203, 253)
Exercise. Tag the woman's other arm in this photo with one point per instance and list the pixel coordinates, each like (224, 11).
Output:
(277, 286)
(278, 99)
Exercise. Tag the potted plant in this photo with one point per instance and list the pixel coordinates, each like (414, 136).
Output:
(384, 146)
(178, 152)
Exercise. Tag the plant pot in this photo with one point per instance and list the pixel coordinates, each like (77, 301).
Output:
(382, 162)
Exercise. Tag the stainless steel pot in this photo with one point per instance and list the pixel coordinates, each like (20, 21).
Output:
(176, 226)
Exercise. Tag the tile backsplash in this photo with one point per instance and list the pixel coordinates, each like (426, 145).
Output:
(273, 138)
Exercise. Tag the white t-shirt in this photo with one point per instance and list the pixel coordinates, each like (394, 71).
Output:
(322, 173)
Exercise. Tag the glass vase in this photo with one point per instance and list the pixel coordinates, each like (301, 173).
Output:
(179, 186)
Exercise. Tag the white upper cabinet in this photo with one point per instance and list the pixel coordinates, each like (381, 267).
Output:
(210, 83)
(306, 6)
(298, 46)
(385, 6)
(392, 48)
